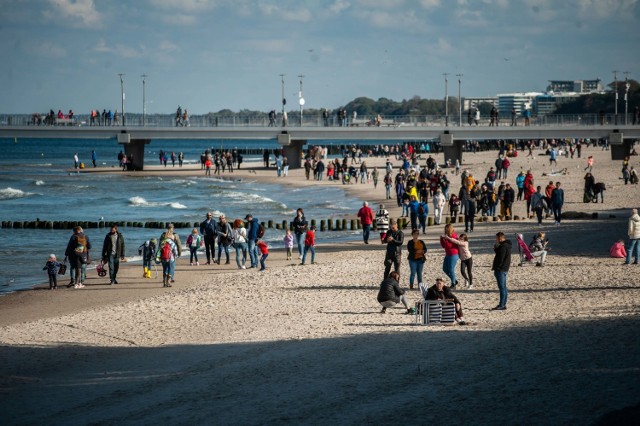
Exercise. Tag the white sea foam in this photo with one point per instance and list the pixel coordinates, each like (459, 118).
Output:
(39, 182)
(11, 193)
(141, 202)
(255, 199)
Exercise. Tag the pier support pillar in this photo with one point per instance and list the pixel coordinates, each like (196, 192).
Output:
(452, 148)
(620, 148)
(134, 149)
(292, 149)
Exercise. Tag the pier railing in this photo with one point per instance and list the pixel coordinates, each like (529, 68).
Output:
(241, 120)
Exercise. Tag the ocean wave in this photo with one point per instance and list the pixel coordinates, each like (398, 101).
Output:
(141, 202)
(39, 182)
(253, 198)
(9, 193)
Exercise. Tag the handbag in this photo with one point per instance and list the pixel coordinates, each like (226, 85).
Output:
(63, 269)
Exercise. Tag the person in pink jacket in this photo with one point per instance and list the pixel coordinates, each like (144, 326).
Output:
(451, 254)
(617, 250)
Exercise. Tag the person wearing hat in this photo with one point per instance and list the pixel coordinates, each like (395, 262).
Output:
(252, 238)
(439, 291)
(170, 234)
(51, 267)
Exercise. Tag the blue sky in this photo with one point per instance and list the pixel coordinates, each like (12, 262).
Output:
(210, 55)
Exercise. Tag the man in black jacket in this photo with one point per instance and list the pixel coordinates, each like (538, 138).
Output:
(500, 267)
(390, 293)
(439, 291)
(113, 252)
(395, 241)
(209, 233)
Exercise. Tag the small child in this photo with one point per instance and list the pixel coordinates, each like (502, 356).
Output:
(310, 244)
(51, 267)
(617, 250)
(193, 242)
(288, 243)
(148, 252)
(262, 246)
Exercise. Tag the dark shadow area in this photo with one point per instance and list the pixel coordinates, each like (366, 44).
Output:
(569, 373)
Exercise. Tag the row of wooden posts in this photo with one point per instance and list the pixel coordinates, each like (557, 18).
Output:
(322, 225)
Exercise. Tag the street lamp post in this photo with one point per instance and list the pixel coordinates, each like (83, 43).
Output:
(301, 99)
(446, 99)
(124, 123)
(615, 87)
(144, 100)
(284, 101)
(459, 100)
(627, 86)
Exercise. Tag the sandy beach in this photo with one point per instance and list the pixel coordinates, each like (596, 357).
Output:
(307, 344)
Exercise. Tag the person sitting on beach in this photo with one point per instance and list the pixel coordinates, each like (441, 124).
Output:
(538, 247)
(439, 291)
(390, 293)
(617, 250)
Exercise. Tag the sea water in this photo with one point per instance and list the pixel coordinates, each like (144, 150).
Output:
(37, 182)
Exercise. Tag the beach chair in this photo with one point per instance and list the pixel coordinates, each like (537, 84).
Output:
(434, 312)
(523, 250)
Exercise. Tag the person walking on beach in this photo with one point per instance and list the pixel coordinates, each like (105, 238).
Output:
(113, 252)
(148, 252)
(310, 245)
(194, 241)
(537, 203)
(77, 252)
(52, 267)
(299, 229)
(390, 293)
(365, 214)
(76, 161)
(395, 241)
(208, 232)
(500, 267)
(557, 201)
(633, 231)
(382, 222)
(224, 238)
(264, 253)
(417, 256)
(239, 233)
(167, 255)
(170, 234)
(252, 237)
(288, 243)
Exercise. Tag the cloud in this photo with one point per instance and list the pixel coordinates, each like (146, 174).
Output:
(339, 5)
(185, 6)
(430, 4)
(78, 13)
(288, 14)
(117, 49)
(397, 20)
(269, 45)
(606, 9)
(168, 46)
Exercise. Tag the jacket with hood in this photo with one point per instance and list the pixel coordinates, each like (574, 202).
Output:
(634, 227)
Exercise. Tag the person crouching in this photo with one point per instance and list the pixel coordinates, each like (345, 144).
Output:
(391, 294)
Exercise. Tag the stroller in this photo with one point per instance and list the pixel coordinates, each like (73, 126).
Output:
(523, 250)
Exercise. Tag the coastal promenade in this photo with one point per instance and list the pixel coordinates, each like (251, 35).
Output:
(134, 138)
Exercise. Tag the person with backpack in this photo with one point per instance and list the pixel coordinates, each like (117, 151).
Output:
(77, 252)
(194, 241)
(148, 252)
(167, 252)
(113, 252)
(170, 234)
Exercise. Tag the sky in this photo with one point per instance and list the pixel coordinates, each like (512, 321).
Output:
(208, 55)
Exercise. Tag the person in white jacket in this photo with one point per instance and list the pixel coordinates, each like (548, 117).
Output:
(634, 237)
(439, 201)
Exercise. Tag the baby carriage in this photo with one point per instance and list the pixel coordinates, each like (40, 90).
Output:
(101, 270)
(523, 250)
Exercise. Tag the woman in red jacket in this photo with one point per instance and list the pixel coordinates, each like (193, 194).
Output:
(451, 254)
